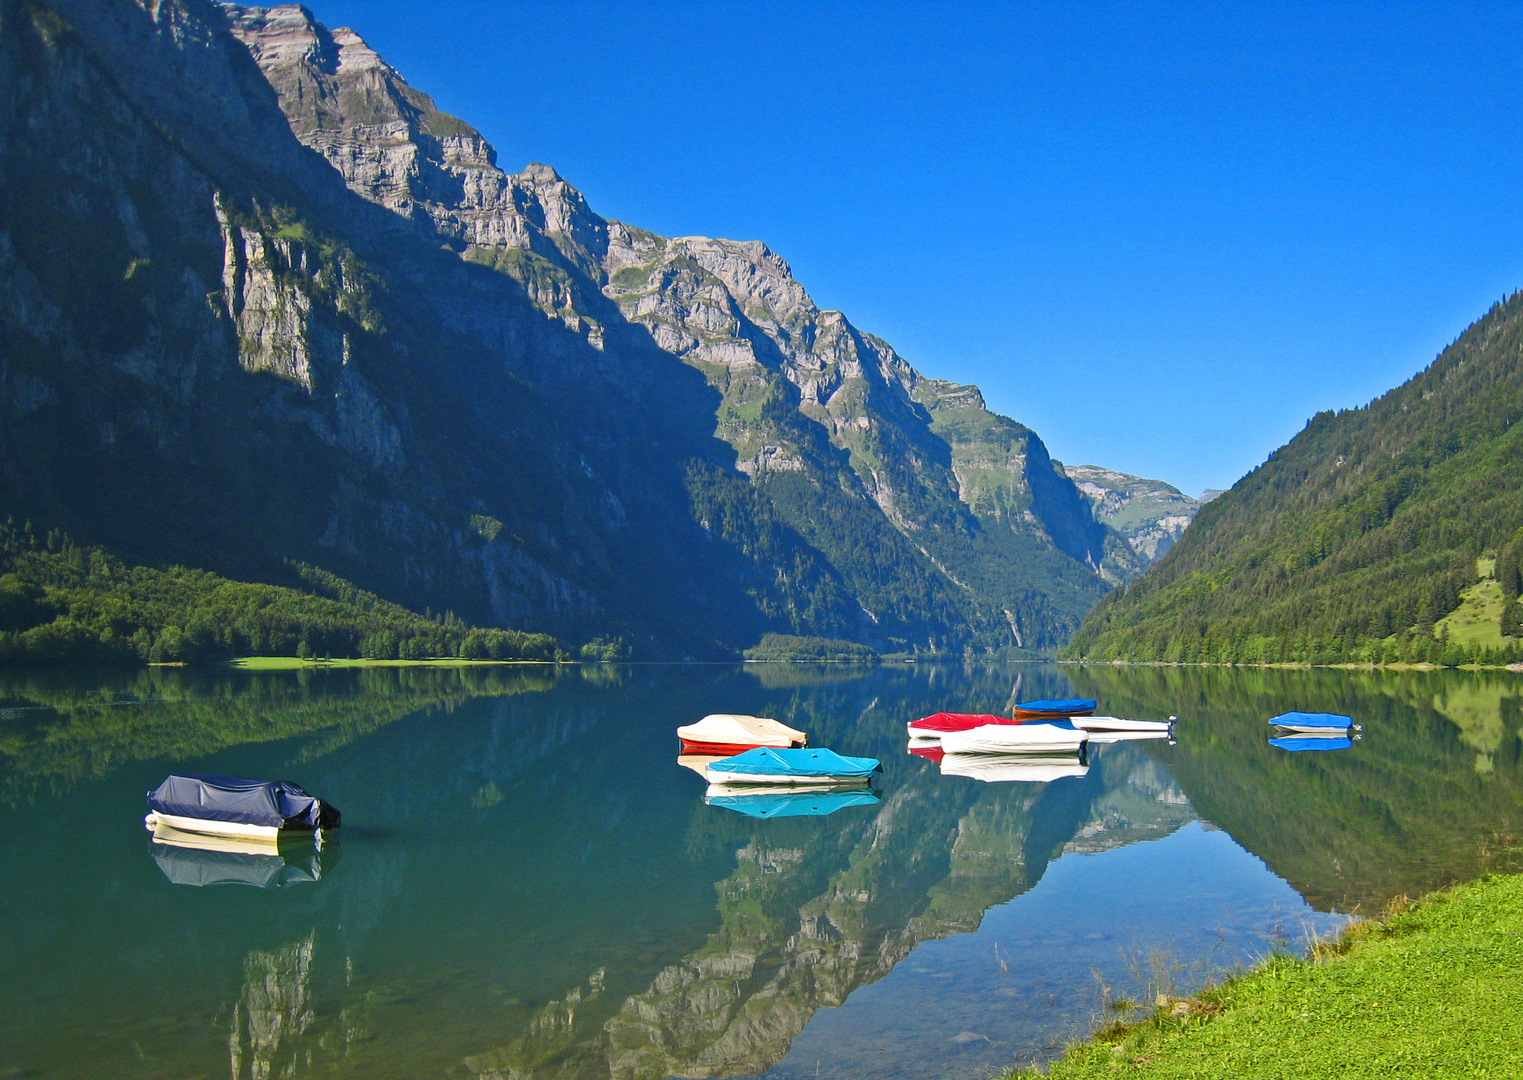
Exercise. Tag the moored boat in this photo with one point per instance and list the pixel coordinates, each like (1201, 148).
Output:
(1015, 738)
(1053, 707)
(1314, 722)
(778, 766)
(231, 806)
(938, 724)
(733, 733)
(1117, 723)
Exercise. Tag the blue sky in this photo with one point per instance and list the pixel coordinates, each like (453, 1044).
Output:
(1161, 235)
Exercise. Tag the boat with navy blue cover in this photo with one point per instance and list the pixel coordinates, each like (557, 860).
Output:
(1314, 721)
(261, 810)
(792, 802)
(773, 765)
(1055, 707)
(1298, 743)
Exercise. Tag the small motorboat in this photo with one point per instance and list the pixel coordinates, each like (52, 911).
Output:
(727, 734)
(1103, 738)
(1013, 768)
(1014, 739)
(1116, 723)
(259, 810)
(1315, 722)
(791, 767)
(1053, 707)
(1333, 740)
(790, 802)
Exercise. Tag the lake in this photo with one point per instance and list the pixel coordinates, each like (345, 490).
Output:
(528, 885)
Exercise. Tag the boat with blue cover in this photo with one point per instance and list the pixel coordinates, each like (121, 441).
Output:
(1298, 743)
(772, 765)
(792, 802)
(1048, 707)
(262, 810)
(1315, 721)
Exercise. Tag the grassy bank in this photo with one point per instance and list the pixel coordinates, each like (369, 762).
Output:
(295, 663)
(1429, 991)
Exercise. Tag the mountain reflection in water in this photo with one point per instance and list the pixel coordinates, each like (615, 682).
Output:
(532, 886)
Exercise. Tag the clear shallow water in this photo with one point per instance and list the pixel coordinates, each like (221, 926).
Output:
(528, 885)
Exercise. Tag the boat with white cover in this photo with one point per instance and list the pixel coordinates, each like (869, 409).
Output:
(1013, 768)
(1117, 723)
(1103, 738)
(1015, 738)
(791, 767)
(731, 733)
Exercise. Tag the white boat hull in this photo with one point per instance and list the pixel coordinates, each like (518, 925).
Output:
(268, 833)
(1014, 739)
(733, 779)
(1116, 723)
(1101, 738)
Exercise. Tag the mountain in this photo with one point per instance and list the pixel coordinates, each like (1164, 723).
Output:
(275, 308)
(1374, 535)
(1149, 514)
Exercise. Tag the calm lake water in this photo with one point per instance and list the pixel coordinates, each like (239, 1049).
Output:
(528, 885)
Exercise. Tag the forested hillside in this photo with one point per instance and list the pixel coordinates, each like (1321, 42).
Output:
(1385, 533)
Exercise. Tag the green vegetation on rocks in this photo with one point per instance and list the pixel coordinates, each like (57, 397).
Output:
(1355, 540)
(1430, 991)
(62, 602)
(788, 647)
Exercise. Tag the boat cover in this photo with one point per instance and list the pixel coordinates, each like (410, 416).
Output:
(771, 761)
(1332, 721)
(1057, 707)
(202, 867)
(953, 721)
(794, 803)
(737, 730)
(277, 803)
(1311, 742)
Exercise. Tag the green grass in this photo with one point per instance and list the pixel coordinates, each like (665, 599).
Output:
(1478, 619)
(291, 663)
(1432, 991)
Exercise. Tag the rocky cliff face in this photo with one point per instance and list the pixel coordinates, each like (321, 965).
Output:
(1148, 514)
(284, 308)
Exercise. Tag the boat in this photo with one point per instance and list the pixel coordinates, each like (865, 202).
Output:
(937, 724)
(260, 810)
(1015, 738)
(1116, 723)
(201, 859)
(790, 802)
(1053, 707)
(1103, 738)
(1306, 741)
(1315, 721)
(727, 734)
(779, 766)
(1010, 768)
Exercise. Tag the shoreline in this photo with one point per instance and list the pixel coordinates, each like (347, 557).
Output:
(1426, 990)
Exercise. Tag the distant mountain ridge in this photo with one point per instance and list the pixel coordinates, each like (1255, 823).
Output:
(1149, 514)
(1357, 539)
(282, 308)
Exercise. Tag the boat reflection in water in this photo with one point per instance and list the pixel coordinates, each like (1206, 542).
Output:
(789, 802)
(1304, 741)
(1014, 768)
(199, 859)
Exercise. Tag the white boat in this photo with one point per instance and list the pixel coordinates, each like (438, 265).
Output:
(736, 731)
(1013, 739)
(1116, 723)
(1101, 738)
(1013, 768)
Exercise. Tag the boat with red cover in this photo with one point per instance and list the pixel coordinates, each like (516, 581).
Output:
(937, 724)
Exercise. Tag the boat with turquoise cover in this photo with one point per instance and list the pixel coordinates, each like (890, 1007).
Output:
(772, 765)
(1314, 721)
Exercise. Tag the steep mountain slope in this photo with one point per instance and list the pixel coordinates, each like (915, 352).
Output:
(281, 308)
(1354, 539)
(1149, 514)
